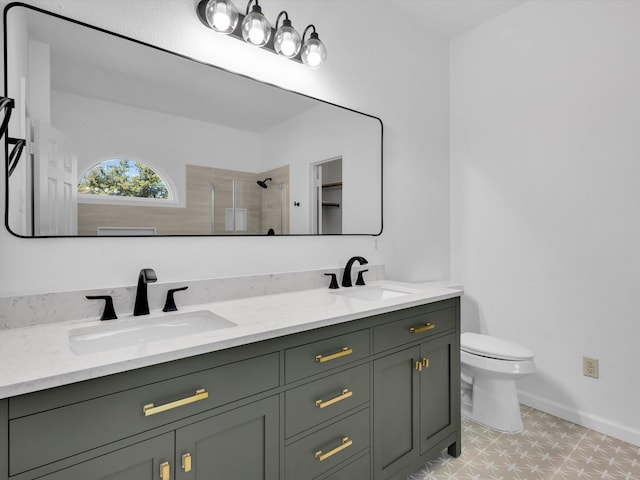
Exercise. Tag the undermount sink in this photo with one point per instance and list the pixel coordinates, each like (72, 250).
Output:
(139, 330)
(372, 293)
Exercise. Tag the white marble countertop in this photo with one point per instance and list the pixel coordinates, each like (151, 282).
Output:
(40, 357)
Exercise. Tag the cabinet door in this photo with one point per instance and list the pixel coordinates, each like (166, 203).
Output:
(142, 461)
(396, 411)
(437, 391)
(242, 444)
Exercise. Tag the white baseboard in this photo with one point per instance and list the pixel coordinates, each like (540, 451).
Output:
(594, 422)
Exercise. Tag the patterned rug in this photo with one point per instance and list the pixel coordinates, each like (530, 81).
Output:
(549, 448)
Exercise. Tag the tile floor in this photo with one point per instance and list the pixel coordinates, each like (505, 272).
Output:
(548, 448)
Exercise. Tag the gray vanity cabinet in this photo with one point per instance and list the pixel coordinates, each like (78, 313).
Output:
(416, 393)
(242, 443)
(117, 427)
(396, 398)
(327, 415)
(141, 461)
(369, 399)
(439, 393)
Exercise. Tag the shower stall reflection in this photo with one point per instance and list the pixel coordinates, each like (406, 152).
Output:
(250, 204)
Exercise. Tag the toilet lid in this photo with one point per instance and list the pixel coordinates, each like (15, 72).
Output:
(492, 347)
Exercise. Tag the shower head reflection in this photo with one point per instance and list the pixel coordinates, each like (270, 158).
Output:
(263, 183)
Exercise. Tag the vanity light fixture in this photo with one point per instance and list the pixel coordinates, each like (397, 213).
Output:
(222, 16)
(287, 41)
(314, 52)
(255, 27)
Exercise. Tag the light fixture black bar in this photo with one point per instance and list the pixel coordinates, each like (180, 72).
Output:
(237, 33)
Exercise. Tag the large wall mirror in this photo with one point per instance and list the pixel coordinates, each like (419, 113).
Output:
(124, 138)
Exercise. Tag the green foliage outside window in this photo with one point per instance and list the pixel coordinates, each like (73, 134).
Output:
(123, 178)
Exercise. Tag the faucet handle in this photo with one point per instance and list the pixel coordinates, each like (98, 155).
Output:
(170, 303)
(360, 280)
(334, 281)
(109, 312)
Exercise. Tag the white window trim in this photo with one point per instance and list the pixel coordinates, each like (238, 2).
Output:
(133, 201)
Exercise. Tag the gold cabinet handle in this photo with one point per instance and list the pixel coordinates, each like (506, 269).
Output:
(346, 393)
(165, 471)
(423, 363)
(325, 358)
(346, 443)
(151, 409)
(424, 328)
(186, 462)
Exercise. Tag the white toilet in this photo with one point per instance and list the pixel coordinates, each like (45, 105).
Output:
(490, 367)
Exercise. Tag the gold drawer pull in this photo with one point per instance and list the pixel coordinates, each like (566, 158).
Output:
(345, 394)
(333, 356)
(424, 328)
(150, 409)
(346, 443)
(165, 471)
(186, 462)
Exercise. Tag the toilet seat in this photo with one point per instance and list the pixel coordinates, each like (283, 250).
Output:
(492, 347)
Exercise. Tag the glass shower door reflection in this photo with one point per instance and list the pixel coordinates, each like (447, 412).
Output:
(241, 206)
(275, 214)
(247, 206)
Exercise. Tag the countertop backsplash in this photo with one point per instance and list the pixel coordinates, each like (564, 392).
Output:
(39, 309)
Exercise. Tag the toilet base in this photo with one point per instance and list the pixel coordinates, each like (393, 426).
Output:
(494, 404)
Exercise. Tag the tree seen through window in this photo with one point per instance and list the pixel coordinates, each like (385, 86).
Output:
(123, 178)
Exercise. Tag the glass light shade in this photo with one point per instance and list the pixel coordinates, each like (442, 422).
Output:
(222, 15)
(255, 28)
(287, 41)
(314, 52)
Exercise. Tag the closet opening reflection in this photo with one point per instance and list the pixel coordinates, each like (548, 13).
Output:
(327, 197)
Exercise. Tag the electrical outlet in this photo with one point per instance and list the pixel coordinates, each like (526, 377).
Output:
(590, 367)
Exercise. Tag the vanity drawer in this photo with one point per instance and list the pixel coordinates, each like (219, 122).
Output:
(321, 356)
(413, 328)
(316, 402)
(359, 469)
(313, 455)
(78, 427)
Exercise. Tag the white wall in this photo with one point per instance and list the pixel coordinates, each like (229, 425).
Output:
(354, 138)
(18, 61)
(135, 133)
(545, 162)
(399, 78)
(544, 171)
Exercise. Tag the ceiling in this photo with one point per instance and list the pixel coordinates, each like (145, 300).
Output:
(90, 63)
(454, 17)
(185, 86)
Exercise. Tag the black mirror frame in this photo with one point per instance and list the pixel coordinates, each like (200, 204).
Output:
(160, 49)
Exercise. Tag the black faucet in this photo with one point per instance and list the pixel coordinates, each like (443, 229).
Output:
(109, 313)
(147, 275)
(346, 277)
(170, 302)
